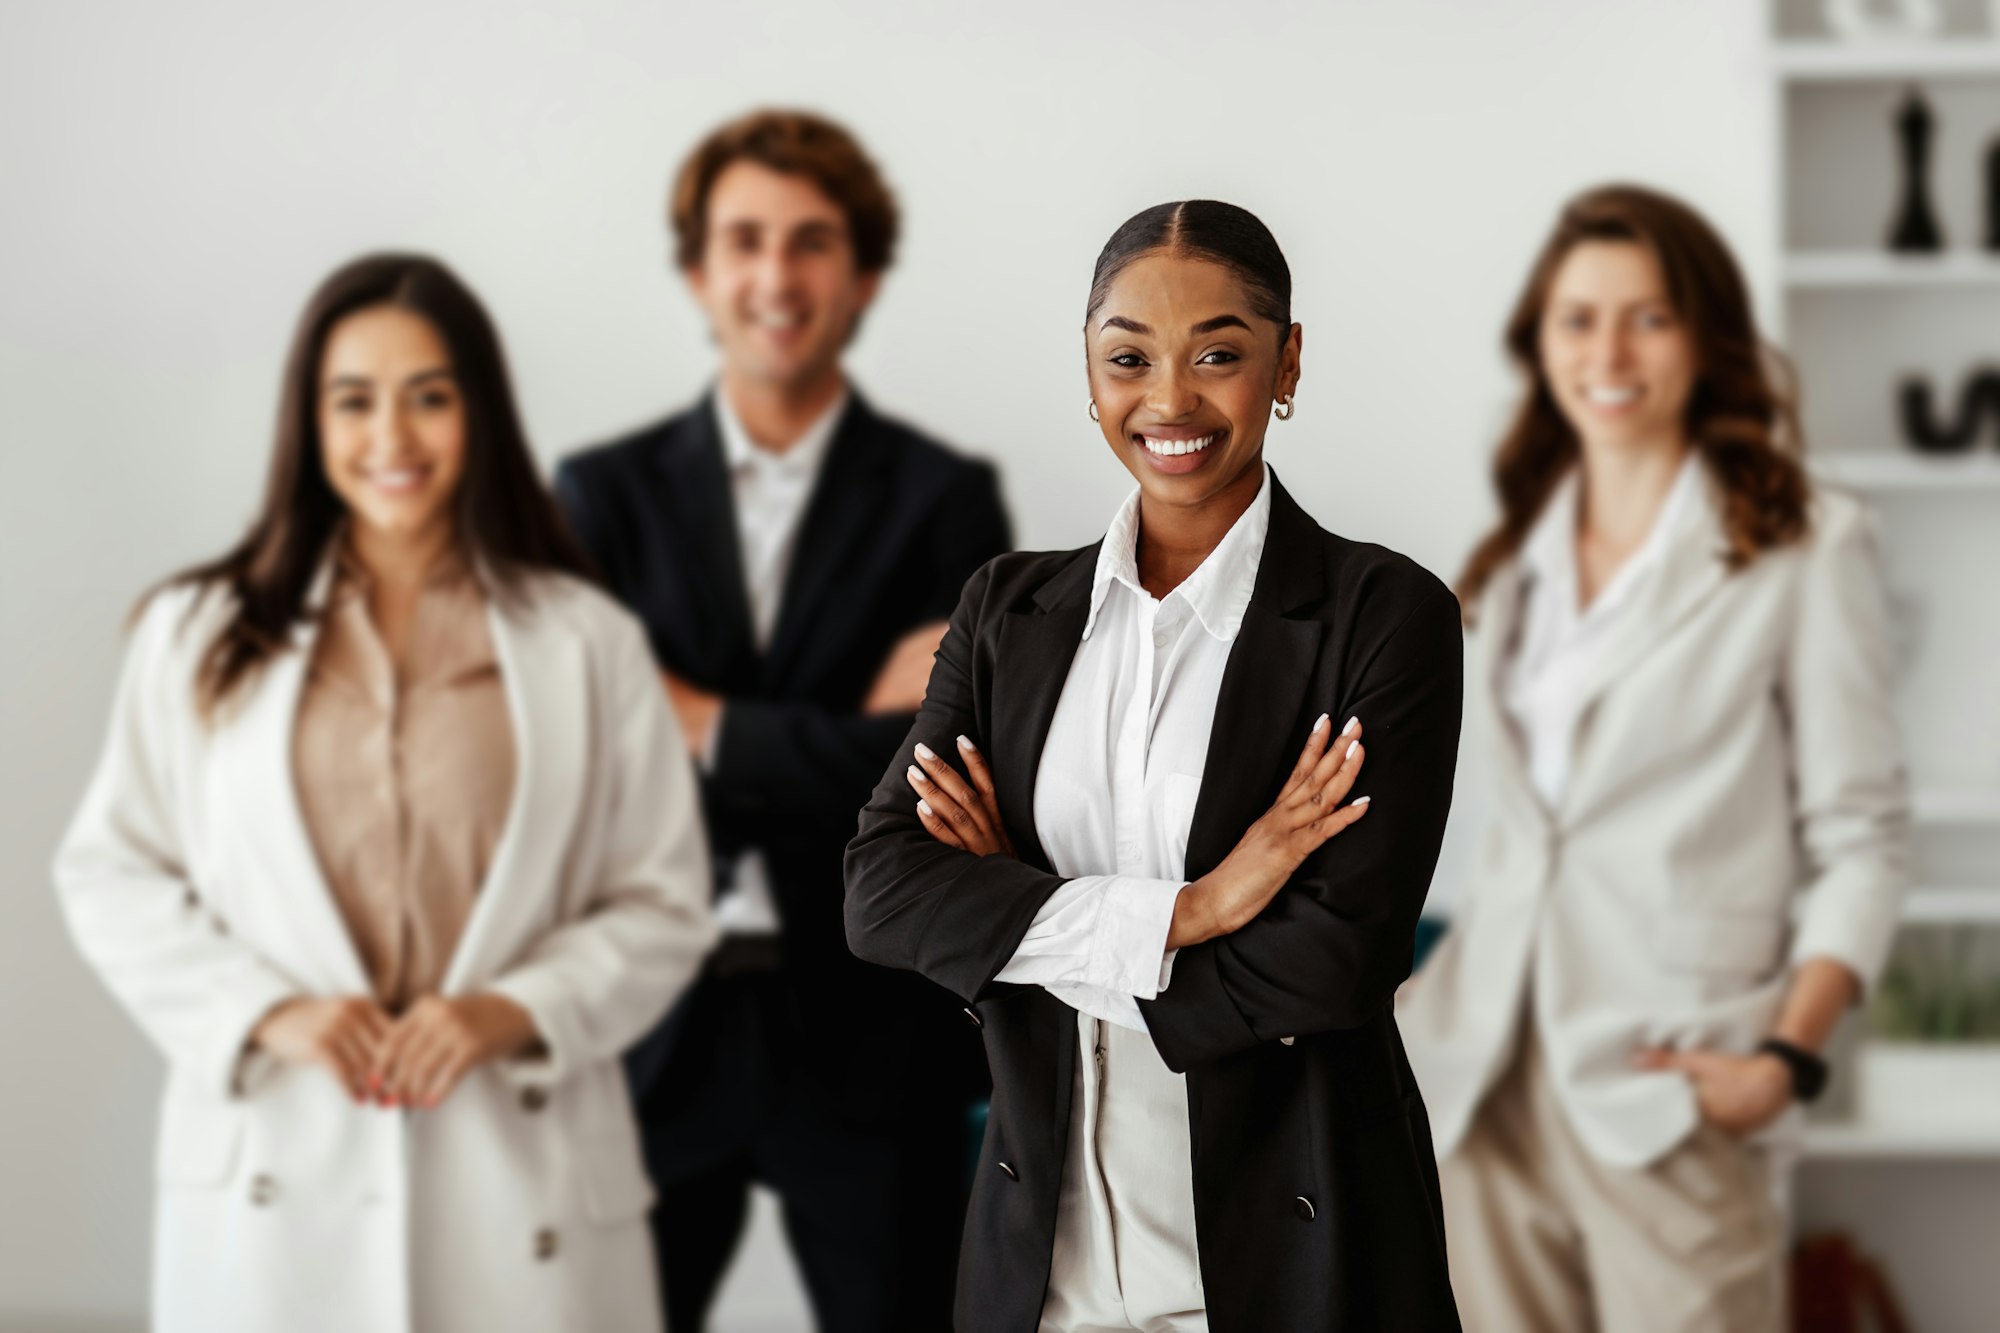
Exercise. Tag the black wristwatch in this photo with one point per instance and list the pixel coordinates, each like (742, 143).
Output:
(1808, 1070)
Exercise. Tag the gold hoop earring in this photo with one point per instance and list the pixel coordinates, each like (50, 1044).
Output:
(1283, 411)
(1093, 411)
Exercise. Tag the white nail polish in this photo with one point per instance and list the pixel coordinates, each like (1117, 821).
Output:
(1361, 800)
(925, 751)
(924, 806)
(1352, 746)
(917, 774)
(1320, 725)
(965, 743)
(1352, 723)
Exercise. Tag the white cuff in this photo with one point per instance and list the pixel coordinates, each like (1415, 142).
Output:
(1105, 932)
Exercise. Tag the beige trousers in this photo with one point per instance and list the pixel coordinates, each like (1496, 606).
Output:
(1544, 1238)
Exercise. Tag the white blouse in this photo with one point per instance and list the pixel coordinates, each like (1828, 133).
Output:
(1122, 766)
(1114, 798)
(1560, 642)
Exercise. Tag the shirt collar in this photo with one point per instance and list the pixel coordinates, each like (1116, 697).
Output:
(803, 458)
(1549, 553)
(1218, 592)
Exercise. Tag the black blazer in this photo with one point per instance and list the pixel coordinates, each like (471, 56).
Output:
(895, 525)
(1315, 1187)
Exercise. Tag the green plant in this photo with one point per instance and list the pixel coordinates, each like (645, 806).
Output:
(1941, 985)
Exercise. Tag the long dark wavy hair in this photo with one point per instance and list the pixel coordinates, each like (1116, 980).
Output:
(1741, 414)
(505, 521)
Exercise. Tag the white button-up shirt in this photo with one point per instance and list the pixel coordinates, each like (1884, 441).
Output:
(1122, 766)
(1114, 798)
(1560, 643)
(770, 490)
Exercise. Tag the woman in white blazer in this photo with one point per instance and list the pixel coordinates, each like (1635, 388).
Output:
(392, 849)
(1679, 674)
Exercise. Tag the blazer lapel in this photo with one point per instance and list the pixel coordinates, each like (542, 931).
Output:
(546, 672)
(258, 742)
(1493, 642)
(1264, 684)
(847, 503)
(1031, 666)
(702, 528)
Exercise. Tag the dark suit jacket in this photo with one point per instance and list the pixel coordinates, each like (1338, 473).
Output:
(1315, 1188)
(895, 525)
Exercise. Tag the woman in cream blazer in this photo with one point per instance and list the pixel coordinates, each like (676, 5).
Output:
(1679, 671)
(325, 1162)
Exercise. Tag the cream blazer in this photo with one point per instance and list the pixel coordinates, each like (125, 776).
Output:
(1736, 804)
(190, 885)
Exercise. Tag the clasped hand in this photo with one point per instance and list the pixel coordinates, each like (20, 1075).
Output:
(966, 815)
(414, 1060)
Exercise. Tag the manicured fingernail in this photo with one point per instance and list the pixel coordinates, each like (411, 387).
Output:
(1352, 746)
(965, 743)
(925, 751)
(1320, 725)
(924, 806)
(917, 775)
(1352, 723)
(1361, 800)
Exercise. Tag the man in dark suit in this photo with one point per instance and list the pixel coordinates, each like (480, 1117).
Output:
(793, 556)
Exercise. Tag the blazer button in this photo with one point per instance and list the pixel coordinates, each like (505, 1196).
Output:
(533, 1099)
(1303, 1208)
(1286, 1041)
(973, 1014)
(1008, 1171)
(263, 1191)
(545, 1244)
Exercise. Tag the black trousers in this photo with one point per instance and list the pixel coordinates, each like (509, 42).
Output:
(873, 1211)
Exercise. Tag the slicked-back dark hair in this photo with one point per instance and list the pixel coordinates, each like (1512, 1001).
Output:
(1203, 229)
(505, 519)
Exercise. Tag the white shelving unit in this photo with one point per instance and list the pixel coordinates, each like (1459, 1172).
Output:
(1859, 320)
(1910, 472)
(1873, 270)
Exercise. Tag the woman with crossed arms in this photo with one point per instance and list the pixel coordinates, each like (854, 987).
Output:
(393, 847)
(1179, 936)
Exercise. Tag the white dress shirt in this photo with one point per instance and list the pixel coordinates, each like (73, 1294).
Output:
(1115, 795)
(1560, 641)
(770, 490)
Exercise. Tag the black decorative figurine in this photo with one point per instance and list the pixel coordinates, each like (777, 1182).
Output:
(1993, 196)
(1916, 230)
(1977, 398)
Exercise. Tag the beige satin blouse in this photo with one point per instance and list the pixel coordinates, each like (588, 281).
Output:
(405, 772)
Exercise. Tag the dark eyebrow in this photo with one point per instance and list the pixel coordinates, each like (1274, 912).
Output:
(1120, 322)
(422, 376)
(1220, 322)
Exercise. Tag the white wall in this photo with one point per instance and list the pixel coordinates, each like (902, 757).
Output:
(177, 177)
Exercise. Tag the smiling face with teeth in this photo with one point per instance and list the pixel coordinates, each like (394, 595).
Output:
(1614, 352)
(1184, 376)
(391, 425)
(778, 278)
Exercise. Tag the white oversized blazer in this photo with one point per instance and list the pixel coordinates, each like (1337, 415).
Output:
(1736, 804)
(189, 883)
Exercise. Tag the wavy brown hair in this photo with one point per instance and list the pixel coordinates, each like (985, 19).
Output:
(1741, 414)
(505, 520)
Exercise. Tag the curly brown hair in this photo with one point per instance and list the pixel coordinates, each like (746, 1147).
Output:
(1741, 415)
(796, 143)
